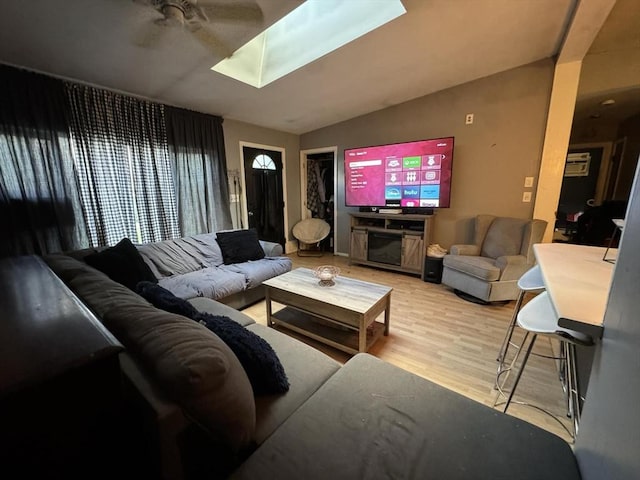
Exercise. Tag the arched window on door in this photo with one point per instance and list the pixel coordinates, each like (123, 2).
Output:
(263, 162)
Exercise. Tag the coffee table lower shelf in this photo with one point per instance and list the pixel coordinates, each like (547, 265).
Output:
(329, 332)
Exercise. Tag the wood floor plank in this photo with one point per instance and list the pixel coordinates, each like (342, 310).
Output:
(452, 342)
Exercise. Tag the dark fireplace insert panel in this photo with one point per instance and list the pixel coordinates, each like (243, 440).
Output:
(384, 248)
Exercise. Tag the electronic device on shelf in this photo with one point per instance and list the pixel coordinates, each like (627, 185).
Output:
(408, 177)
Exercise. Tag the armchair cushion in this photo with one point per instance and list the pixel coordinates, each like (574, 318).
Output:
(465, 250)
(479, 267)
(504, 237)
(512, 267)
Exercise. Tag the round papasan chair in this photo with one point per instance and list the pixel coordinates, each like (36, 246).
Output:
(309, 233)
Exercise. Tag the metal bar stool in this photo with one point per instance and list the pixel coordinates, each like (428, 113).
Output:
(530, 281)
(538, 317)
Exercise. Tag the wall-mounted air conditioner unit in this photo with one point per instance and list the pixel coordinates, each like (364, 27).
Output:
(577, 165)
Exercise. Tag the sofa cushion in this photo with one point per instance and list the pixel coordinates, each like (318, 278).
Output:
(374, 420)
(122, 263)
(240, 246)
(165, 300)
(260, 361)
(271, 249)
(209, 305)
(257, 272)
(96, 290)
(211, 282)
(307, 369)
(256, 356)
(170, 257)
(207, 249)
(195, 367)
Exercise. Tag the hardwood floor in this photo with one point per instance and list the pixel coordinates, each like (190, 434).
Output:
(449, 341)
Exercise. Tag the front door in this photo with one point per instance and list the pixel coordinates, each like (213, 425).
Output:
(265, 200)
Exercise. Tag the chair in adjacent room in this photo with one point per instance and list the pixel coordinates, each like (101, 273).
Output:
(488, 271)
(309, 233)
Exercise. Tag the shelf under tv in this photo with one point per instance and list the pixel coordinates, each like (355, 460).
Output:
(391, 241)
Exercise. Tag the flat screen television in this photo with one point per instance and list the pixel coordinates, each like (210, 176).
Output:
(410, 175)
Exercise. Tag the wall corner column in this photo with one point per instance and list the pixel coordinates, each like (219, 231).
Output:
(556, 142)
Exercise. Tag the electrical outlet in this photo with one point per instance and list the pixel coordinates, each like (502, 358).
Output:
(468, 120)
(528, 182)
(526, 197)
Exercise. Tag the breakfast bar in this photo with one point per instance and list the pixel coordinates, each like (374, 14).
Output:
(578, 281)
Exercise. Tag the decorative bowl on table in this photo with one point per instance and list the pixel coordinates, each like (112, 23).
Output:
(326, 274)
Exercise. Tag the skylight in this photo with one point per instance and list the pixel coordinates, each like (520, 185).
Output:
(312, 30)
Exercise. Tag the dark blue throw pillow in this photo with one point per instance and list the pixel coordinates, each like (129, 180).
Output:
(260, 362)
(257, 357)
(239, 246)
(122, 263)
(162, 298)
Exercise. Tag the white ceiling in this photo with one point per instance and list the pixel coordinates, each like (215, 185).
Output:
(435, 45)
(611, 68)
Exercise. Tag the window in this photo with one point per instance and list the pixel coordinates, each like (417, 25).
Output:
(263, 162)
(315, 28)
(122, 160)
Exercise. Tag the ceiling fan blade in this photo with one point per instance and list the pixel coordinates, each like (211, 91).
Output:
(211, 42)
(237, 12)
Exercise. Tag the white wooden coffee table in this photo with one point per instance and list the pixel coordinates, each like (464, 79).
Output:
(342, 315)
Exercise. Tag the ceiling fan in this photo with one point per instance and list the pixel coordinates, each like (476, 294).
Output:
(197, 18)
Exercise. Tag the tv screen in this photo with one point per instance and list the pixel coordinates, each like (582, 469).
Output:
(410, 174)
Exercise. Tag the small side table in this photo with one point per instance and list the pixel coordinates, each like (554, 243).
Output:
(433, 269)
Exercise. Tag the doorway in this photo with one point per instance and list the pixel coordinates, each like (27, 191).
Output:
(263, 175)
(318, 180)
(578, 191)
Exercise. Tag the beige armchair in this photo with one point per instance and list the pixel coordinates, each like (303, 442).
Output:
(489, 269)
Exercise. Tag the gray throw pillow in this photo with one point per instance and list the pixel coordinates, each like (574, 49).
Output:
(193, 366)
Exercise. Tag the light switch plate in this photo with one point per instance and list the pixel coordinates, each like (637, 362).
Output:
(528, 181)
(526, 197)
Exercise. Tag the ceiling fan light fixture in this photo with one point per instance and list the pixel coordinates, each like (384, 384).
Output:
(173, 13)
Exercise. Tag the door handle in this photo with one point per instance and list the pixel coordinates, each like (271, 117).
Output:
(250, 214)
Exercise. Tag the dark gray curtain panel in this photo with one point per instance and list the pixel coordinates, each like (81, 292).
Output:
(196, 144)
(122, 158)
(40, 210)
(81, 166)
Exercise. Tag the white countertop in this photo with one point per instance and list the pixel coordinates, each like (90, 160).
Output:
(578, 281)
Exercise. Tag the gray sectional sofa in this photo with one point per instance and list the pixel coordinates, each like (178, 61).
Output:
(182, 375)
(193, 266)
(365, 419)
